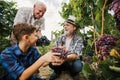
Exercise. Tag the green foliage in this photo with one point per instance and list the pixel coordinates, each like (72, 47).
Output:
(115, 68)
(5, 42)
(89, 13)
(7, 14)
(83, 11)
(45, 49)
(106, 73)
(88, 72)
(57, 33)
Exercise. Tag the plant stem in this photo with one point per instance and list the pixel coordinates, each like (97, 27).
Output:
(94, 31)
(103, 9)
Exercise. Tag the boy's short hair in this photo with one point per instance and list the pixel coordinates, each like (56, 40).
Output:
(22, 29)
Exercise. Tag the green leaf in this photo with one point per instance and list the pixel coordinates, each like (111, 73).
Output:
(7, 14)
(99, 3)
(90, 42)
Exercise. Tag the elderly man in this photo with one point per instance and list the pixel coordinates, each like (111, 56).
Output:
(73, 44)
(32, 16)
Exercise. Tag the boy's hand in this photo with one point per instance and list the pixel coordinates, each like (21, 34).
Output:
(51, 57)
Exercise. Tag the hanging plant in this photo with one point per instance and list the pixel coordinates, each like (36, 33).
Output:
(104, 44)
(115, 6)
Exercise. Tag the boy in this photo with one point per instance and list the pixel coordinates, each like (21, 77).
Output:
(22, 60)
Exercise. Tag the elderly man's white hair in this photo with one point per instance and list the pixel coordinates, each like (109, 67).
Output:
(38, 3)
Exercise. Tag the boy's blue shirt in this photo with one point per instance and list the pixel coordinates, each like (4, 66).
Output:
(15, 62)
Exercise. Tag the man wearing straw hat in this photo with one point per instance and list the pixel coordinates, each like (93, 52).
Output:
(73, 44)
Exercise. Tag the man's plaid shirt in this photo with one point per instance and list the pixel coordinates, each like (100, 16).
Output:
(75, 46)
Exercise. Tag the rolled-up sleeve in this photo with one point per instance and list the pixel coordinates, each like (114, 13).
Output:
(40, 24)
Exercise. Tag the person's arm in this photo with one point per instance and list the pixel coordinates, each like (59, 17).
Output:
(71, 57)
(40, 25)
(32, 69)
(42, 61)
(20, 16)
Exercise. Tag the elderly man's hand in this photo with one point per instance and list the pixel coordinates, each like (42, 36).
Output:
(58, 61)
